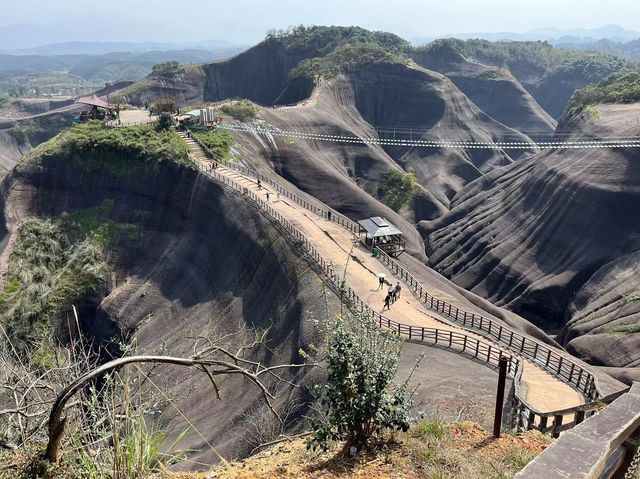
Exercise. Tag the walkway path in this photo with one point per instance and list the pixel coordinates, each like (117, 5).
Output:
(337, 244)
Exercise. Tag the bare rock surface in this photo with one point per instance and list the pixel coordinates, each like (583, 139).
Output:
(555, 239)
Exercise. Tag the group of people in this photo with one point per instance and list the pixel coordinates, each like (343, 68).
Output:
(393, 293)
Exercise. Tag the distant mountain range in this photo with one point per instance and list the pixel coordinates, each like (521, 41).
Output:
(613, 33)
(102, 48)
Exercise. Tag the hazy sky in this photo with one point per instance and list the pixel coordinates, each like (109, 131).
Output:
(246, 21)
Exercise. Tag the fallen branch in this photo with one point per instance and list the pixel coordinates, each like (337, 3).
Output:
(57, 420)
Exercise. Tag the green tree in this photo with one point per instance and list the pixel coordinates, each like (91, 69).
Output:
(358, 398)
(398, 188)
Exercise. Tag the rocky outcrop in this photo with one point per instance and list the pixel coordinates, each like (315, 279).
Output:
(555, 239)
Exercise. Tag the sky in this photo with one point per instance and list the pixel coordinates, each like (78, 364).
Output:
(246, 21)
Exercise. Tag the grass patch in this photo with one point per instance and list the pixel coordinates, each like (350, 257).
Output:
(56, 263)
(346, 58)
(240, 110)
(623, 329)
(430, 430)
(218, 141)
(92, 147)
(48, 272)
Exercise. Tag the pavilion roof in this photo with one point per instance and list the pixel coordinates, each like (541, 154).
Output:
(378, 226)
(93, 100)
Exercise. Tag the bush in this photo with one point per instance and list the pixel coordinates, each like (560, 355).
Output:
(92, 147)
(398, 188)
(345, 58)
(165, 122)
(357, 398)
(241, 110)
(218, 141)
(48, 272)
(168, 69)
(623, 87)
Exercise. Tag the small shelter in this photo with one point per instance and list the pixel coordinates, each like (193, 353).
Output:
(378, 232)
(100, 109)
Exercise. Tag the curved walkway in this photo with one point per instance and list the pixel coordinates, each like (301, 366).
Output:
(543, 391)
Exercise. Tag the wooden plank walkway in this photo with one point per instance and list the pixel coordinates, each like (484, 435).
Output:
(543, 391)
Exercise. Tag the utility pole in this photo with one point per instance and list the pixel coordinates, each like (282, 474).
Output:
(502, 378)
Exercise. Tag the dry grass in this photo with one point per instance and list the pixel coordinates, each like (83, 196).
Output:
(431, 450)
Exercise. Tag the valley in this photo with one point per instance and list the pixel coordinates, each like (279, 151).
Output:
(511, 170)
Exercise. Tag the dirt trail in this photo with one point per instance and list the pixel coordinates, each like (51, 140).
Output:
(544, 391)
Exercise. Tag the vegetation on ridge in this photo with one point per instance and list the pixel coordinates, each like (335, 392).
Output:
(218, 141)
(529, 58)
(240, 110)
(623, 87)
(92, 147)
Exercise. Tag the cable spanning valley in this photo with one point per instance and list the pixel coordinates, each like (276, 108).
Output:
(515, 145)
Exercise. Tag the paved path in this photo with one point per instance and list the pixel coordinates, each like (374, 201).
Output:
(335, 243)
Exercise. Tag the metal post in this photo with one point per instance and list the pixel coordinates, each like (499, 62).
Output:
(502, 377)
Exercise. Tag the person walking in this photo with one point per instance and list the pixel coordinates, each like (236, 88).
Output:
(267, 197)
(392, 293)
(380, 282)
(259, 184)
(398, 290)
(387, 301)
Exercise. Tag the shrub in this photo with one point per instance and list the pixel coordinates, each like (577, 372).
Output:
(622, 87)
(241, 110)
(218, 141)
(164, 122)
(398, 188)
(92, 146)
(48, 272)
(168, 69)
(357, 398)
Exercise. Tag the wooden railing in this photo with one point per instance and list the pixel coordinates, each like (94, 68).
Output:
(484, 352)
(551, 361)
(525, 416)
(319, 209)
(602, 447)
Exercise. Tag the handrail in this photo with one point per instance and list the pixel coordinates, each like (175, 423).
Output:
(540, 354)
(325, 211)
(556, 364)
(459, 342)
(601, 448)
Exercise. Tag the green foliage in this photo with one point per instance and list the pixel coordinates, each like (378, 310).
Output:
(398, 188)
(520, 457)
(622, 87)
(218, 141)
(240, 110)
(168, 69)
(93, 147)
(56, 263)
(623, 329)
(37, 130)
(48, 272)
(164, 122)
(323, 40)
(346, 58)
(430, 429)
(357, 397)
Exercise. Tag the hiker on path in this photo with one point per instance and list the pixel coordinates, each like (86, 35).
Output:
(398, 290)
(392, 293)
(380, 282)
(387, 300)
